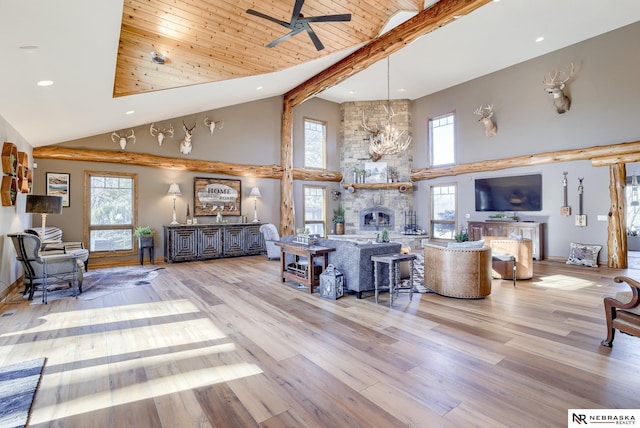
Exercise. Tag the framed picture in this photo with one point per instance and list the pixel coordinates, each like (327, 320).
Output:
(375, 172)
(213, 196)
(58, 184)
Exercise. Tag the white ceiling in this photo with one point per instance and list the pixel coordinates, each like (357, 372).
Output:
(79, 104)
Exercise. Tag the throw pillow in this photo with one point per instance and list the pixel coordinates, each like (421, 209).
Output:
(584, 254)
(467, 244)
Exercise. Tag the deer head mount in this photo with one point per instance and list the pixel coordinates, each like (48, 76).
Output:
(556, 83)
(185, 144)
(161, 133)
(123, 139)
(486, 113)
(213, 125)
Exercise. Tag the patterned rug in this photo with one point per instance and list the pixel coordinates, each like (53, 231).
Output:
(18, 384)
(101, 282)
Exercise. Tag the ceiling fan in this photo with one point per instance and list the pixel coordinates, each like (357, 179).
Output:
(299, 23)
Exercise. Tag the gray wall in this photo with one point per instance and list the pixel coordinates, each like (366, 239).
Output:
(605, 110)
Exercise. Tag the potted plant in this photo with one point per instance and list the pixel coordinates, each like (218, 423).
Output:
(338, 219)
(463, 235)
(145, 236)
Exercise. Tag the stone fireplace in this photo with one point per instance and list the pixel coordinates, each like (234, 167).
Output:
(376, 218)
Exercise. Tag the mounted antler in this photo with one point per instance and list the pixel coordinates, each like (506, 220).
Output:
(213, 125)
(122, 139)
(486, 113)
(185, 145)
(161, 133)
(556, 86)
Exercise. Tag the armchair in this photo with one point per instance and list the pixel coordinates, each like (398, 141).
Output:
(43, 270)
(623, 311)
(271, 236)
(52, 241)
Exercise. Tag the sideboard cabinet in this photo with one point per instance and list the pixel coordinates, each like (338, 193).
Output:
(531, 230)
(211, 241)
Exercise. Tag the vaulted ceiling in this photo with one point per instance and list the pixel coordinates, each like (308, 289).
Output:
(97, 53)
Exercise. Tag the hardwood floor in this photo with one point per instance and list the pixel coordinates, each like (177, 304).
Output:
(225, 343)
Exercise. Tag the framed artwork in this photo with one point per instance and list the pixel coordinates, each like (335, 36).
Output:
(375, 172)
(213, 196)
(58, 184)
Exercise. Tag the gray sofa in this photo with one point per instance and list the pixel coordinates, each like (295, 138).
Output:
(353, 260)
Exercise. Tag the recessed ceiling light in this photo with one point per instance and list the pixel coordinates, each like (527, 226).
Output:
(259, 88)
(130, 112)
(401, 90)
(45, 83)
(539, 39)
(352, 92)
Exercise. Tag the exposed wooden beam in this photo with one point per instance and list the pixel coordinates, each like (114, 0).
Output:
(436, 16)
(617, 226)
(599, 156)
(180, 164)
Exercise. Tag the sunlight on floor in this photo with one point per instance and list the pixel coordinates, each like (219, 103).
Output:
(144, 341)
(563, 282)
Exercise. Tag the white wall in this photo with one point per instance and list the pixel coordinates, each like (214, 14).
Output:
(605, 110)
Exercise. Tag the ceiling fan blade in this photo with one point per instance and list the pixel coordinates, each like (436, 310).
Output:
(269, 18)
(296, 10)
(285, 37)
(327, 18)
(314, 38)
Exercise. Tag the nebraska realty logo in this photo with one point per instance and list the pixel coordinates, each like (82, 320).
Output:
(581, 417)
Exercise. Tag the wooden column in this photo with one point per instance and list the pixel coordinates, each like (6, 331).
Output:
(616, 231)
(287, 209)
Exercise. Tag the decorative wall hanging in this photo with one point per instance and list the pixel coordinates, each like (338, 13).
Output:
(486, 113)
(375, 172)
(58, 184)
(581, 218)
(161, 133)
(185, 144)
(565, 210)
(556, 84)
(213, 125)
(123, 139)
(214, 195)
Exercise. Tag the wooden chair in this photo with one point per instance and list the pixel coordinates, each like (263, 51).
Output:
(623, 311)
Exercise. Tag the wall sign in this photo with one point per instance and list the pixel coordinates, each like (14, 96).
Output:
(213, 196)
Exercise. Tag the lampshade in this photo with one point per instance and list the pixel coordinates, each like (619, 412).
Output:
(174, 189)
(42, 204)
(255, 192)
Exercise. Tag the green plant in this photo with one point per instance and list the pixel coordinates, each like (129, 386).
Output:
(384, 236)
(497, 215)
(144, 230)
(338, 214)
(463, 235)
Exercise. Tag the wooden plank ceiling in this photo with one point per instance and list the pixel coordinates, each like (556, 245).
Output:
(214, 40)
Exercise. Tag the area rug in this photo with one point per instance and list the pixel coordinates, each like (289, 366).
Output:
(18, 384)
(101, 282)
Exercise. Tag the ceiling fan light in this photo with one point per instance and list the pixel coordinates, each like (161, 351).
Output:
(158, 59)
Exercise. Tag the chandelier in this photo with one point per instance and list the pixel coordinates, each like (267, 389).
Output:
(385, 139)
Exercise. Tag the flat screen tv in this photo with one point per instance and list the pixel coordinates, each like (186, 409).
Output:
(516, 193)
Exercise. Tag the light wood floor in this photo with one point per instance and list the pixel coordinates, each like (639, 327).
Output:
(225, 343)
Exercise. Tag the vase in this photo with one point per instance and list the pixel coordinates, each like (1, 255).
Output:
(339, 228)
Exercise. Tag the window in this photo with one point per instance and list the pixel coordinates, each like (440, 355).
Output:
(315, 136)
(443, 211)
(315, 208)
(111, 210)
(442, 139)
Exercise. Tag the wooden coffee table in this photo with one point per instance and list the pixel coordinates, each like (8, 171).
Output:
(310, 252)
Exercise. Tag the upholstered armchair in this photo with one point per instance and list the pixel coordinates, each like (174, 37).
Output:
(623, 311)
(42, 270)
(271, 236)
(52, 241)
(458, 272)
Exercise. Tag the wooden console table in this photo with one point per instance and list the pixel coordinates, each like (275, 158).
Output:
(307, 278)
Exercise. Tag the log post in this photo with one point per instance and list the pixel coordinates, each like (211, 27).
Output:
(616, 230)
(287, 209)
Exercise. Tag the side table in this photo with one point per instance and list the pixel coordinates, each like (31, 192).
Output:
(146, 242)
(393, 260)
(310, 252)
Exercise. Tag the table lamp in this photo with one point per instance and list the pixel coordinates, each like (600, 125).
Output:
(41, 204)
(255, 192)
(174, 190)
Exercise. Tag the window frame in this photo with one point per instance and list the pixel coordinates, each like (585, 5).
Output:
(87, 213)
(323, 147)
(325, 207)
(451, 114)
(433, 222)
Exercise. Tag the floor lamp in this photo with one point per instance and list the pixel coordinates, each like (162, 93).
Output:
(40, 204)
(255, 192)
(174, 190)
